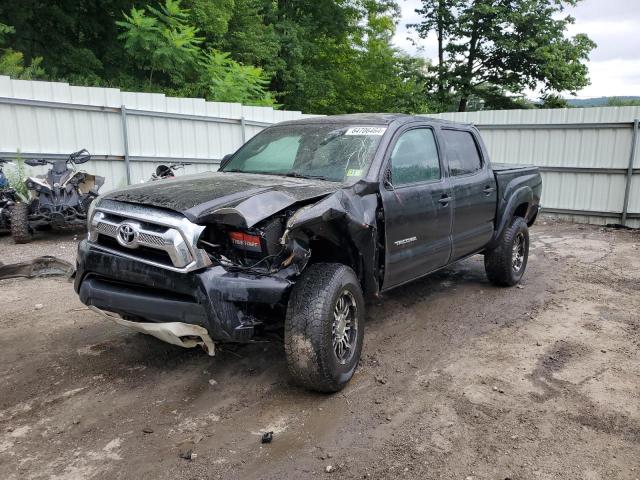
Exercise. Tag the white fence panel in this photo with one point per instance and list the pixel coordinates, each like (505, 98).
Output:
(585, 155)
(50, 119)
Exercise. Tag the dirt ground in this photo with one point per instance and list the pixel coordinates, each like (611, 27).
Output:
(458, 380)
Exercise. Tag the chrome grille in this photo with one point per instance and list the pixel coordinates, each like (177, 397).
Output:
(150, 239)
(133, 228)
(107, 229)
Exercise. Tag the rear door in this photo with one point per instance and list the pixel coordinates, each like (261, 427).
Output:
(417, 207)
(474, 192)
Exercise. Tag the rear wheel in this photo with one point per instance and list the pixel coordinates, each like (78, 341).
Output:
(506, 263)
(20, 230)
(324, 327)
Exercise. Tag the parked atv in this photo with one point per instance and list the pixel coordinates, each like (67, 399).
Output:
(58, 199)
(8, 199)
(167, 171)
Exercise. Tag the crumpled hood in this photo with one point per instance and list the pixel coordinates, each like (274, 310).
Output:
(240, 199)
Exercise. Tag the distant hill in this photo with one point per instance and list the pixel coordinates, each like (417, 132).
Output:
(597, 101)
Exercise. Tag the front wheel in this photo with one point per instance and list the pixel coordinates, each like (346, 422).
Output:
(20, 230)
(506, 262)
(324, 327)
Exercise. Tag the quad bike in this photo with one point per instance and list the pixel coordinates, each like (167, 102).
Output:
(8, 198)
(58, 199)
(167, 171)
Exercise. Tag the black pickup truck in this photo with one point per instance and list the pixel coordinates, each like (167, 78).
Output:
(301, 226)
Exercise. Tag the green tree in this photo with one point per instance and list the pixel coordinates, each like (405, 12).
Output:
(374, 75)
(226, 80)
(623, 102)
(552, 100)
(12, 62)
(77, 39)
(161, 40)
(512, 44)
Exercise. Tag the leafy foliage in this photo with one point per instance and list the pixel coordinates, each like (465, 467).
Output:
(327, 56)
(160, 40)
(17, 177)
(513, 44)
(12, 62)
(623, 102)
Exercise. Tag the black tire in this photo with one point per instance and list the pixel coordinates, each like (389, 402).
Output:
(504, 268)
(313, 360)
(20, 230)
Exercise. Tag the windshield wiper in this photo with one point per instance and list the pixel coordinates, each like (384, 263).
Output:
(302, 175)
(237, 170)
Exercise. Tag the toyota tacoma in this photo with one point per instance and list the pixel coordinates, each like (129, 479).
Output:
(298, 229)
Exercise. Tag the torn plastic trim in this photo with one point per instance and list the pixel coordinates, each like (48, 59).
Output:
(45, 266)
(176, 333)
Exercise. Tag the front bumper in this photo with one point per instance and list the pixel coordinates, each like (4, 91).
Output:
(212, 298)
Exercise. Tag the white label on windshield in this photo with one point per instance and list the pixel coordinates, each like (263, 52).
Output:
(366, 131)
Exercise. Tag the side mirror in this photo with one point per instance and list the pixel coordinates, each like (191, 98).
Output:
(362, 187)
(226, 159)
(80, 157)
(35, 162)
(163, 171)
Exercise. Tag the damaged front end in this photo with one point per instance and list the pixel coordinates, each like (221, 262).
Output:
(225, 268)
(341, 227)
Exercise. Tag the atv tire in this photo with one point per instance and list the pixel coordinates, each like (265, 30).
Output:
(506, 262)
(20, 230)
(324, 327)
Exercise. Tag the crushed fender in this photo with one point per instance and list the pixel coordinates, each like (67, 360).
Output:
(46, 266)
(348, 216)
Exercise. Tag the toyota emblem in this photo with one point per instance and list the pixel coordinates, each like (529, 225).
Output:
(127, 235)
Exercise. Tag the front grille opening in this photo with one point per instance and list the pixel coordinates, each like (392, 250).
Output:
(142, 252)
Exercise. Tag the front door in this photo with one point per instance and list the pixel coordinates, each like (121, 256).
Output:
(417, 208)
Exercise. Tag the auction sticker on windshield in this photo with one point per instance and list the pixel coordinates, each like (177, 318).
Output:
(366, 131)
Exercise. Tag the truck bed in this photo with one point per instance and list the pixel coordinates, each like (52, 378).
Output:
(510, 176)
(509, 167)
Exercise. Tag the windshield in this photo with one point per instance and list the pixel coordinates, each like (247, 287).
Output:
(336, 152)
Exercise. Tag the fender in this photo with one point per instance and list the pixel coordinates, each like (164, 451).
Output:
(507, 207)
(71, 177)
(41, 182)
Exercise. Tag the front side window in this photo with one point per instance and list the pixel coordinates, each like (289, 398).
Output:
(415, 158)
(335, 152)
(462, 152)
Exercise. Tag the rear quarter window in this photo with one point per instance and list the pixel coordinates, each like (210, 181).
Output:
(462, 152)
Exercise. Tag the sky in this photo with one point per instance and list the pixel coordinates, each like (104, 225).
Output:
(614, 66)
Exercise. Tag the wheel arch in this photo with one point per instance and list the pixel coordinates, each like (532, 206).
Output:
(518, 205)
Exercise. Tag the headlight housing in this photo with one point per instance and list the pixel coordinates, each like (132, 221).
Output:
(92, 208)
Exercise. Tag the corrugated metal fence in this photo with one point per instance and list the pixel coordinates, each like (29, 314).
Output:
(127, 133)
(588, 156)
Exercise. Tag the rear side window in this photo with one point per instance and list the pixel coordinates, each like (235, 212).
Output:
(461, 152)
(415, 158)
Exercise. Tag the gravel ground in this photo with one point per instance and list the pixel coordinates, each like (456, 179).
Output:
(459, 380)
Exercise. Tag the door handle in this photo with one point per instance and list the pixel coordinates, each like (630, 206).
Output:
(444, 200)
(488, 189)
